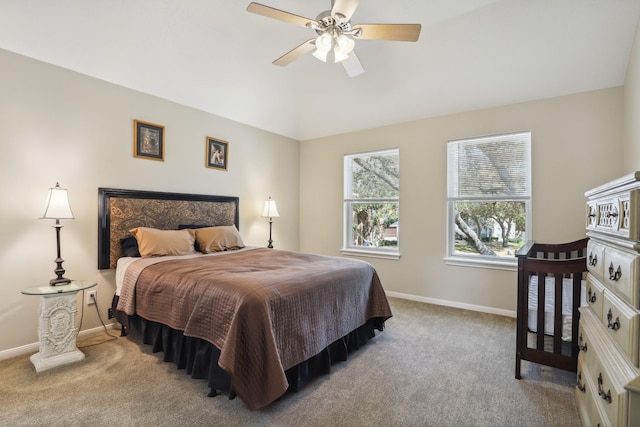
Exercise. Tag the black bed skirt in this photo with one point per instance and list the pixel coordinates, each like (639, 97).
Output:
(200, 358)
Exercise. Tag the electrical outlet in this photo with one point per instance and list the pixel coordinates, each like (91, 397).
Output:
(91, 297)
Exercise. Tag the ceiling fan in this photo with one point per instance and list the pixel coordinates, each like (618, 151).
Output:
(336, 34)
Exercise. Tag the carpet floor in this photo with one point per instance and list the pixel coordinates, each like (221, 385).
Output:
(432, 366)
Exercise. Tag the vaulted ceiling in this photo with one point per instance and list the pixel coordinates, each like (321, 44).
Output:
(215, 56)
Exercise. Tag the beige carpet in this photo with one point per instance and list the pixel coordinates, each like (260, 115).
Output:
(432, 366)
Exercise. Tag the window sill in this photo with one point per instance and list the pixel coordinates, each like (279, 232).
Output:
(498, 264)
(371, 254)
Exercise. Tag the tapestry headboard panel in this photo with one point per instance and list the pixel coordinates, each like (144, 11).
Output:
(121, 210)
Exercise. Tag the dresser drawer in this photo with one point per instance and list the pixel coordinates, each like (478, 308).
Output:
(621, 322)
(616, 215)
(621, 273)
(595, 295)
(587, 353)
(595, 259)
(612, 397)
(586, 394)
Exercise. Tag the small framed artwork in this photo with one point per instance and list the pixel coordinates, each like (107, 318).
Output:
(148, 140)
(217, 153)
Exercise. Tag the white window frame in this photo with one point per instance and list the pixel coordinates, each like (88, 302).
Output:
(387, 252)
(486, 261)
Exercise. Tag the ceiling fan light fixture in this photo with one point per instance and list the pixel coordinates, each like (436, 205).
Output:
(321, 54)
(344, 44)
(324, 42)
(334, 31)
(339, 55)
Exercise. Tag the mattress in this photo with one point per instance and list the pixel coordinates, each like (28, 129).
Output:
(549, 304)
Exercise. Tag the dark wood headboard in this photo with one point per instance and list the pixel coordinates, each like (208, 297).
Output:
(121, 210)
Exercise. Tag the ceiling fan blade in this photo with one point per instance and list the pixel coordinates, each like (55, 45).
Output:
(295, 53)
(397, 32)
(352, 65)
(345, 8)
(281, 15)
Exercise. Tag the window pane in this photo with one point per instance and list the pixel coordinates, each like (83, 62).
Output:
(374, 176)
(496, 228)
(373, 225)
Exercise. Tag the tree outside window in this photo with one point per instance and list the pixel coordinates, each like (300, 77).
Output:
(371, 201)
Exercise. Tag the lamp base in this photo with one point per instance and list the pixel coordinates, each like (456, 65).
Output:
(270, 246)
(59, 281)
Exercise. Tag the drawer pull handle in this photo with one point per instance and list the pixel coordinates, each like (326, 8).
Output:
(592, 296)
(605, 396)
(593, 260)
(580, 346)
(580, 385)
(614, 275)
(613, 213)
(615, 325)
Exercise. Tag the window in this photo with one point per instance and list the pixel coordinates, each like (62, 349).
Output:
(371, 203)
(489, 198)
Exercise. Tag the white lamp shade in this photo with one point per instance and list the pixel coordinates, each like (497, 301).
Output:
(339, 55)
(57, 206)
(270, 210)
(344, 44)
(321, 54)
(324, 42)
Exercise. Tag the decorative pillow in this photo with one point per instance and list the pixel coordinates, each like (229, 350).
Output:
(216, 239)
(154, 242)
(129, 247)
(187, 226)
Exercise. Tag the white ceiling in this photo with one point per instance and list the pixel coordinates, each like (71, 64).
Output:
(215, 56)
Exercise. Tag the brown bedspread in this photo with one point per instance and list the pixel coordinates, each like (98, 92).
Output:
(266, 310)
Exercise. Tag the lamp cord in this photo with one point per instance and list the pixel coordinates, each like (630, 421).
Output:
(95, 302)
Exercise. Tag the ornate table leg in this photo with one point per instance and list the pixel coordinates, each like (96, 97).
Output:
(57, 332)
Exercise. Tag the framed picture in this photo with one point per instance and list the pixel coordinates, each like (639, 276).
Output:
(217, 153)
(148, 140)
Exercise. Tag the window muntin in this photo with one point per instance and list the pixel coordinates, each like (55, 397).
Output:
(371, 202)
(489, 197)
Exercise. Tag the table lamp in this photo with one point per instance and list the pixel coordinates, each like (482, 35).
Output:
(270, 211)
(57, 207)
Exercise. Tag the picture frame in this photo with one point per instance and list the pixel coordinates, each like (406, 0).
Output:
(148, 140)
(217, 154)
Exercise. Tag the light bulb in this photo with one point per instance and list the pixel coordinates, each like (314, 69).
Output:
(324, 42)
(344, 43)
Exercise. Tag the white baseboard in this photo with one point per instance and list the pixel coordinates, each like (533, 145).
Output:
(31, 348)
(12, 352)
(454, 304)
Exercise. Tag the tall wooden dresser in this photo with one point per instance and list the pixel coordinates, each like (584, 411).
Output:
(608, 378)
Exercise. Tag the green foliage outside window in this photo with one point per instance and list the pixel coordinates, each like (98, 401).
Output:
(371, 197)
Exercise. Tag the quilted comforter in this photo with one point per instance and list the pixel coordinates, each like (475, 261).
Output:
(266, 310)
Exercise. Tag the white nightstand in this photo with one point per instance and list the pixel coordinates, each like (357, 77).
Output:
(57, 327)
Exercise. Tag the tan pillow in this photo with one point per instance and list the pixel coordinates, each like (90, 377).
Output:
(154, 242)
(216, 239)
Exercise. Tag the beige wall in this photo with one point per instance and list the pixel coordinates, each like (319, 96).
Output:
(632, 109)
(57, 125)
(576, 145)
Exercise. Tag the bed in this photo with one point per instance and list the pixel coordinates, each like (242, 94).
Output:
(254, 322)
(551, 288)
